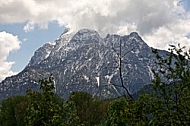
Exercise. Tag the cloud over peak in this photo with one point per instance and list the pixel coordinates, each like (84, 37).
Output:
(149, 18)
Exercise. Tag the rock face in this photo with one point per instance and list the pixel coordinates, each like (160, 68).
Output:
(86, 62)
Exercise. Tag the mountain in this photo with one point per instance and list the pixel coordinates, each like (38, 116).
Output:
(87, 62)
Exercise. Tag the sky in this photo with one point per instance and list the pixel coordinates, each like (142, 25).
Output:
(25, 25)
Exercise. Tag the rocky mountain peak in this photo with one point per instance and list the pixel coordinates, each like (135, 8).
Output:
(135, 34)
(85, 36)
(86, 62)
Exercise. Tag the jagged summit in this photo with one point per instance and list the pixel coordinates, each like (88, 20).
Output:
(66, 31)
(77, 60)
(86, 36)
(87, 31)
(135, 34)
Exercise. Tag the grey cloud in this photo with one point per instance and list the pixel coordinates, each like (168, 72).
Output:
(106, 16)
(15, 11)
(148, 15)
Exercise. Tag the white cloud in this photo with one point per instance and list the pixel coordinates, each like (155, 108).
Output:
(25, 39)
(29, 27)
(8, 43)
(158, 21)
(171, 34)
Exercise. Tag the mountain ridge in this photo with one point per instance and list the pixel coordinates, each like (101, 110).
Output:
(85, 61)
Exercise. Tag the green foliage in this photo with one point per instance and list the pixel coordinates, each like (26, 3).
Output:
(118, 113)
(12, 111)
(45, 108)
(88, 109)
(172, 84)
(169, 104)
(125, 112)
